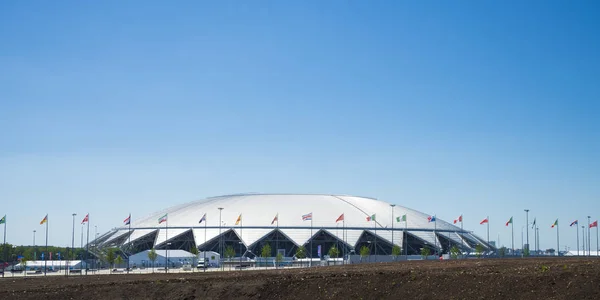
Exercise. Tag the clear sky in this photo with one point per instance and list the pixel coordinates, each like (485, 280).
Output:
(448, 107)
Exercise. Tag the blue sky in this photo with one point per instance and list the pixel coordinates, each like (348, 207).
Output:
(474, 107)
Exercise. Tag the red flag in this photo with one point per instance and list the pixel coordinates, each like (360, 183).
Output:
(86, 219)
(595, 224)
(340, 218)
(484, 221)
(459, 219)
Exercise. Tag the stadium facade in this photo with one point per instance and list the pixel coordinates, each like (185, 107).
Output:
(283, 222)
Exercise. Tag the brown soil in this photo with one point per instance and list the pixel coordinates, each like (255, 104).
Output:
(550, 278)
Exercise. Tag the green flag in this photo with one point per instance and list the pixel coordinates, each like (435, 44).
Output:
(509, 221)
(371, 218)
(401, 218)
(3, 220)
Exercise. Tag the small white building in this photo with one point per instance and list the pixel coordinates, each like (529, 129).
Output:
(177, 258)
(213, 258)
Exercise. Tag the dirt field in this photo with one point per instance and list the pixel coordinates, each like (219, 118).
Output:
(571, 278)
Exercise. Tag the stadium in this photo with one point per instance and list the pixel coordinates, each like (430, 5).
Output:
(247, 222)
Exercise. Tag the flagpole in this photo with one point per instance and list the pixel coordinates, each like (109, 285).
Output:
(311, 228)
(405, 238)
(277, 235)
(46, 256)
(512, 225)
(87, 246)
(557, 241)
(241, 240)
(167, 244)
(344, 236)
(488, 230)
(577, 225)
(462, 240)
(375, 225)
(129, 242)
(597, 248)
(4, 248)
(434, 232)
(204, 262)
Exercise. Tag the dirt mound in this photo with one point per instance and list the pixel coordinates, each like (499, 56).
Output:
(550, 278)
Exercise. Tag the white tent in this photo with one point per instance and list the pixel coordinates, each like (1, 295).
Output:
(53, 264)
(177, 258)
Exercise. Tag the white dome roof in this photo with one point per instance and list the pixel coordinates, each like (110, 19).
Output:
(258, 211)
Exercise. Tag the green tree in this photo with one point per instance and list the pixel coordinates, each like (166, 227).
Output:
(229, 253)
(24, 264)
(110, 257)
(364, 252)
(396, 250)
(194, 251)
(479, 250)
(425, 252)
(265, 252)
(301, 252)
(526, 251)
(502, 251)
(334, 253)
(454, 252)
(119, 260)
(152, 256)
(279, 259)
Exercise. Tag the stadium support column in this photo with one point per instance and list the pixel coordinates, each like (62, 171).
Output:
(405, 238)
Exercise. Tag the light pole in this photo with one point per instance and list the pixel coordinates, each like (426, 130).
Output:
(527, 224)
(241, 243)
(167, 258)
(392, 205)
(220, 239)
(589, 240)
(522, 227)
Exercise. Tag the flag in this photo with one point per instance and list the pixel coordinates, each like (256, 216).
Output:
(371, 218)
(162, 219)
(574, 223)
(3, 220)
(555, 223)
(239, 219)
(484, 221)
(127, 220)
(401, 219)
(307, 217)
(595, 224)
(44, 220)
(340, 218)
(533, 226)
(431, 219)
(86, 219)
(276, 219)
(509, 221)
(459, 219)
(203, 219)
